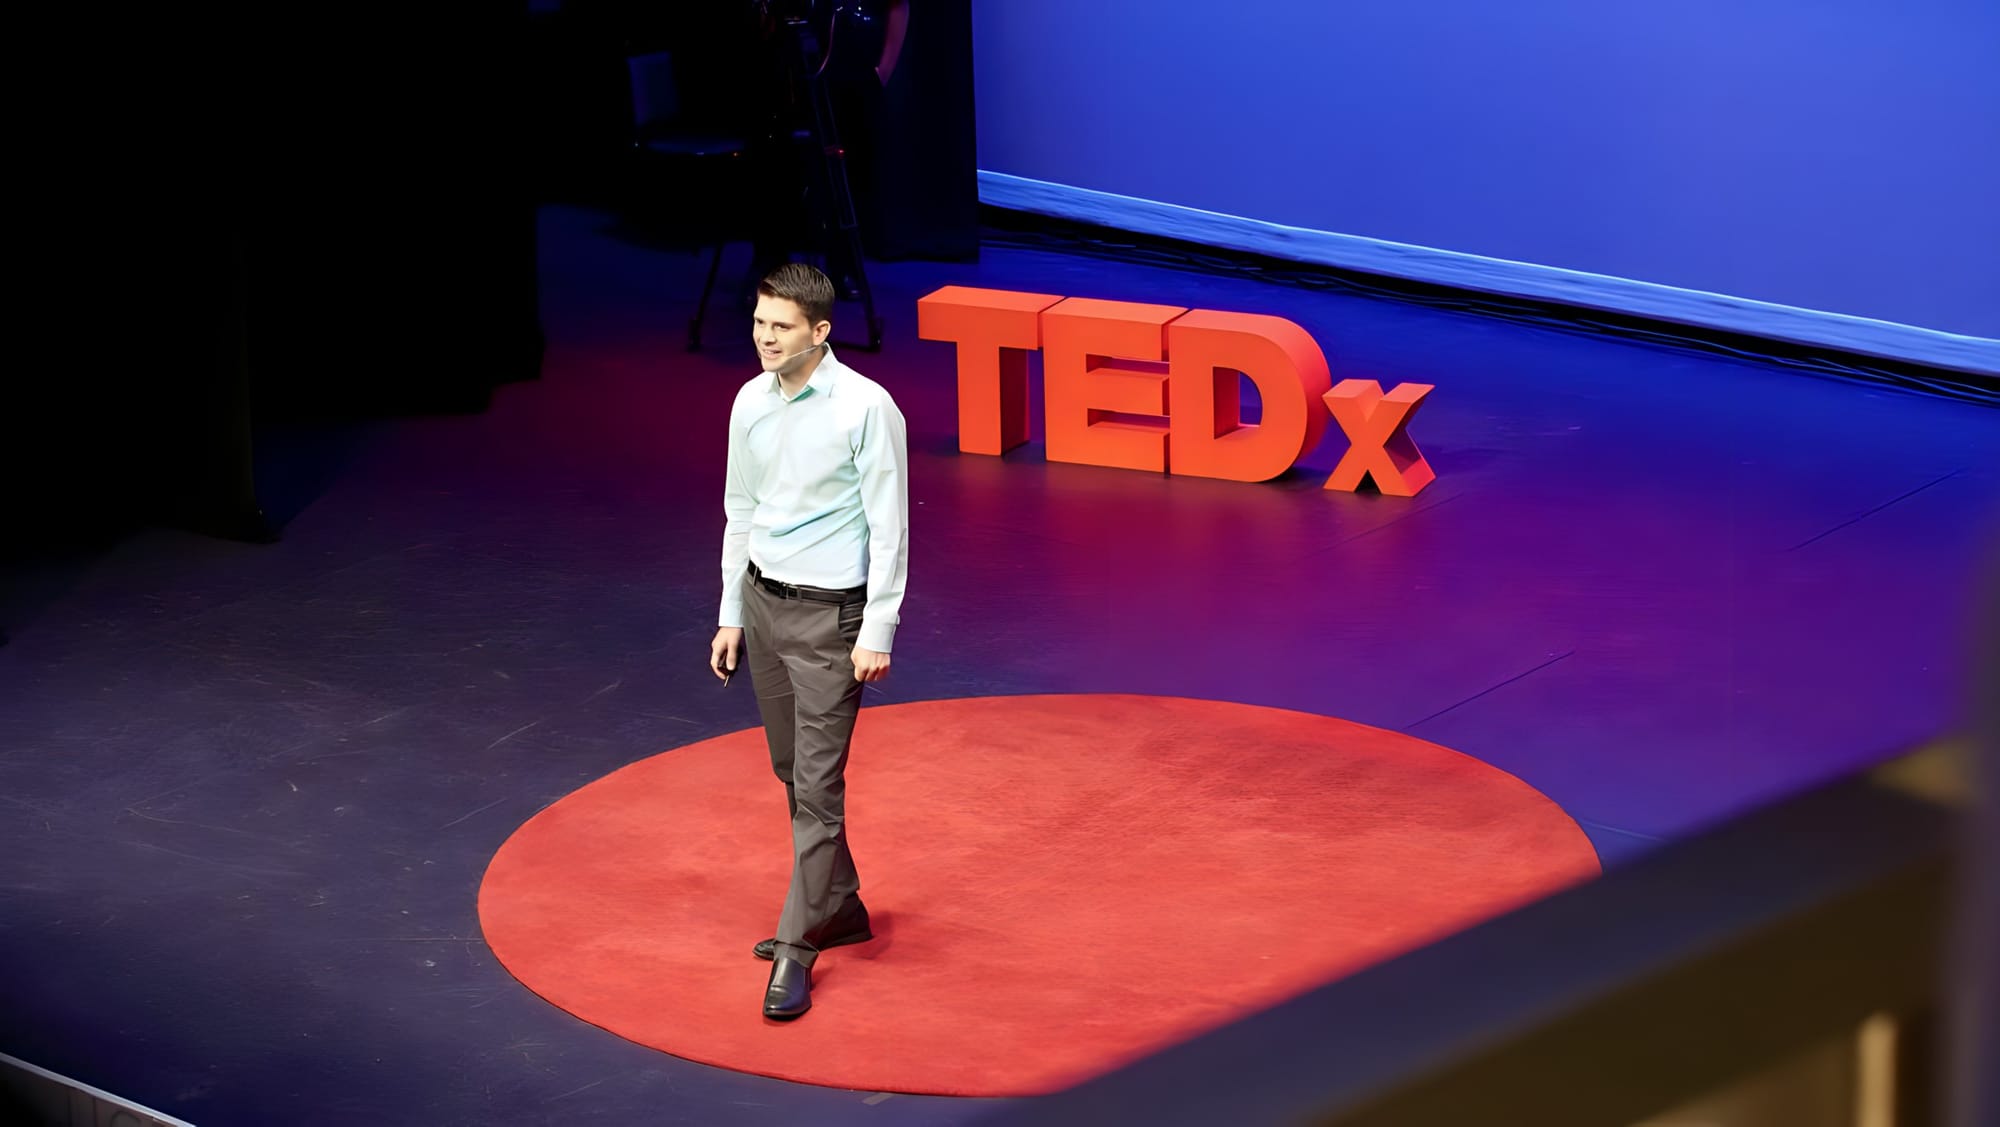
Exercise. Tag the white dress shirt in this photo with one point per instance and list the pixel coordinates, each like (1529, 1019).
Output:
(817, 493)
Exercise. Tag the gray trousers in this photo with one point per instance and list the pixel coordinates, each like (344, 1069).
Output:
(801, 661)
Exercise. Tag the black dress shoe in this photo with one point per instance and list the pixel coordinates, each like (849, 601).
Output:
(767, 949)
(790, 991)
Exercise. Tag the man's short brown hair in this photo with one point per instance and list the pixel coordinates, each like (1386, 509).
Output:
(805, 287)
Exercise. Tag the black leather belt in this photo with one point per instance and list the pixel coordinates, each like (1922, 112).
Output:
(810, 594)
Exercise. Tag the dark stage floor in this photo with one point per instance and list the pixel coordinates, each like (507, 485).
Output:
(247, 793)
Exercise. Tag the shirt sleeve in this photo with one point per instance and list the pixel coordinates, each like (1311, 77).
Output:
(737, 508)
(884, 465)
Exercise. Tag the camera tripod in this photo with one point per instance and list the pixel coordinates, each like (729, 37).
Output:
(803, 128)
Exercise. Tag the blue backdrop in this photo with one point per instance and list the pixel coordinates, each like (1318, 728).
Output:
(1834, 155)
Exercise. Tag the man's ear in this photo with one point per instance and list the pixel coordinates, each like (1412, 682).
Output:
(821, 330)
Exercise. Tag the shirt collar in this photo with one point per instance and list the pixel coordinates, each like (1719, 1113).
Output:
(823, 381)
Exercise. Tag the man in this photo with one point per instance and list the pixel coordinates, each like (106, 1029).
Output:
(814, 559)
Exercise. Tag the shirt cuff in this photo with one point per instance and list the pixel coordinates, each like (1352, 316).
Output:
(732, 615)
(877, 636)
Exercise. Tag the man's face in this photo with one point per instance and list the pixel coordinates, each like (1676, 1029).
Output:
(784, 340)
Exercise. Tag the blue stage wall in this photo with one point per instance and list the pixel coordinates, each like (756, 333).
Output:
(1825, 155)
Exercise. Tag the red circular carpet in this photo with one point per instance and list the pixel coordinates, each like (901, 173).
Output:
(1058, 884)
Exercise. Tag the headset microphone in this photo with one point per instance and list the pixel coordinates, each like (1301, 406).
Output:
(774, 365)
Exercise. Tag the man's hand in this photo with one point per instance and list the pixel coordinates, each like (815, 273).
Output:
(725, 650)
(869, 665)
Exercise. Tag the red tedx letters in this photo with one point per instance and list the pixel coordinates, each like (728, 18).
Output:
(1157, 387)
